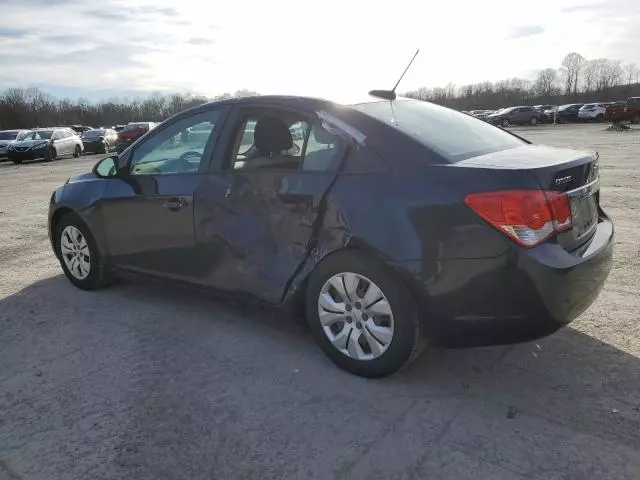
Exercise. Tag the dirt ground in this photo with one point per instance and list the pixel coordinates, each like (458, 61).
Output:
(147, 381)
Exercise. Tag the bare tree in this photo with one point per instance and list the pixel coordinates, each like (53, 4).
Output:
(573, 63)
(631, 72)
(545, 82)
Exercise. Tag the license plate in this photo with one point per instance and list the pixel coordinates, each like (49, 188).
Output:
(584, 213)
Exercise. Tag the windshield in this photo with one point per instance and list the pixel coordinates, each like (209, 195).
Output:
(38, 135)
(94, 133)
(9, 135)
(452, 134)
(564, 107)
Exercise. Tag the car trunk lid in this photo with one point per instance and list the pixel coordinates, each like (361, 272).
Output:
(558, 171)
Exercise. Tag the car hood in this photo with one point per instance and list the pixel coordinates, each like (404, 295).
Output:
(82, 178)
(28, 143)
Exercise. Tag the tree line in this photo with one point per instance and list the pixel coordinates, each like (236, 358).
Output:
(32, 107)
(576, 80)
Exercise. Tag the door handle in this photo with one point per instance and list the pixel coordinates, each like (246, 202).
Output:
(175, 203)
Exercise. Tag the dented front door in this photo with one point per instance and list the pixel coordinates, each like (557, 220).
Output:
(253, 228)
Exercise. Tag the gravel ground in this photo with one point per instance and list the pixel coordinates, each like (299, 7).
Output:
(147, 381)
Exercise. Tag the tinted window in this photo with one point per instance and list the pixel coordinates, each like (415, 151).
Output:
(8, 135)
(323, 149)
(177, 148)
(452, 134)
(95, 133)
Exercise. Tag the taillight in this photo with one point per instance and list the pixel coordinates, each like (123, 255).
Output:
(529, 217)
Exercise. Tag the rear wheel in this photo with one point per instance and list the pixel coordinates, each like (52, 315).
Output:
(77, 151)
(79, 256)
(636, 119)
(599, 117)
(533, 120)
(505, 122)
(362, 316)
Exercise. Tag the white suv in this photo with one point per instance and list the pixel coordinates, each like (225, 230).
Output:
(592, 111)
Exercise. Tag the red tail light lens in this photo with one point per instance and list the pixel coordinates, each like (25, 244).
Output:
(529, 217)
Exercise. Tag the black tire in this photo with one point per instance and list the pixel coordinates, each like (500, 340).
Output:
(98, 276)
(408, 332)
(599, 117)
(77, 151)
(17, 162)
(51, 155)
(505, 122)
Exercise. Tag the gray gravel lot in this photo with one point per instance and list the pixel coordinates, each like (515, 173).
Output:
(149, 381)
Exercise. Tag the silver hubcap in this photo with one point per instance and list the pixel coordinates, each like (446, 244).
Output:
(75, 252)
(355, 316)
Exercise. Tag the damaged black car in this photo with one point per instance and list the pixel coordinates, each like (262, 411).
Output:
(389, 223)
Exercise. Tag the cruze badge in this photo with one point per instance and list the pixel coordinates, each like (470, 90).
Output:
(563, 180)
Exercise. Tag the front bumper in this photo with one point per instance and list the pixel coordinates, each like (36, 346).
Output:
(31, 154)
(518, 296)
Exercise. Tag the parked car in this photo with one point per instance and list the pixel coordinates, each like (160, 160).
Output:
(481, 114)
(7, 137)
(131, 132)
(514, 116)
(100, 140)
(47, 143)
(592, 111)
(367, 229)
(566, 113)
(119, 128)
(628, 112)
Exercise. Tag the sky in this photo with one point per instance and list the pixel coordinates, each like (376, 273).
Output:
(330, 48)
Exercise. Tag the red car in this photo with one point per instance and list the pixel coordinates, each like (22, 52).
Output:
(626, 112)
(131, 132)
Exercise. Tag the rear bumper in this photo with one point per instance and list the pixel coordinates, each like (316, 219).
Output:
(518, 296)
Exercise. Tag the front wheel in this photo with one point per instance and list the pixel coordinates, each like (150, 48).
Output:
(599, 117)
(506, 122)
(533, 121)
(51, 155)
(78, 253)
(77, 151)
(362, 316)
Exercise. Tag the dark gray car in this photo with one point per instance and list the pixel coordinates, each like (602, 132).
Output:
(515, 116)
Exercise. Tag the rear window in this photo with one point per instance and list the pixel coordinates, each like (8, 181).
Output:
(94, 133)
(452, 134)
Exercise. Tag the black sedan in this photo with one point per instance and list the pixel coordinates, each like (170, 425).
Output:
(566, 113)
(100, 140)
(388, 223)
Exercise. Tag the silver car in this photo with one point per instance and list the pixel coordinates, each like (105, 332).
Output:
(7, 137)
(47, 143)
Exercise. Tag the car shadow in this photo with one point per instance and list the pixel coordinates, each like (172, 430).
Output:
(569, 380)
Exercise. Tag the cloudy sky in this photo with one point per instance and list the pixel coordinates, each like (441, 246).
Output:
(329, 48)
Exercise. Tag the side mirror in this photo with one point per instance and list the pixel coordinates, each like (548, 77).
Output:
(107, 167)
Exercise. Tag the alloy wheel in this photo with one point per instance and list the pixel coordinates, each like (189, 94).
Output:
(75, 252)
(355, 316)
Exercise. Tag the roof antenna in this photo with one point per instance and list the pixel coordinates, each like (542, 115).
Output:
(391, 94)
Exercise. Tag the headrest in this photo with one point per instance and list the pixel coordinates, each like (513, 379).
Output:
(271, 135)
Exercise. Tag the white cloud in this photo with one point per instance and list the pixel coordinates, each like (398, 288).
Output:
(281, 46)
